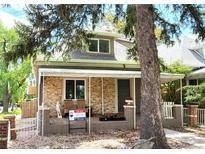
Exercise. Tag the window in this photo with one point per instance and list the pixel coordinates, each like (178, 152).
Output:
(93, 45)
(99, 45)
(192, 82)
(75, 89)
(104, 46)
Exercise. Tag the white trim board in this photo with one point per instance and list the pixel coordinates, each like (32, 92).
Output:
(165, 77)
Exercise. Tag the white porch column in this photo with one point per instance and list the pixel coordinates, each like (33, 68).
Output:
(89, 106)
(39, 84)
(134, 99)
(42, 107)
(102, 98)
(182, 108)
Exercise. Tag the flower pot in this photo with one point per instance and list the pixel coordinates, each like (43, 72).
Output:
(129, 102)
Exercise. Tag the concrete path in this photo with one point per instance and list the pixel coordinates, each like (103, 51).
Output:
(186, 138)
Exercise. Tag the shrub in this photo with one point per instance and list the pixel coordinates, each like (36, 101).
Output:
(193, 94)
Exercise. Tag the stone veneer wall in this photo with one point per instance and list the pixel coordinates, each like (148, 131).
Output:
(108, 94)
(96, 92)
(53, 90)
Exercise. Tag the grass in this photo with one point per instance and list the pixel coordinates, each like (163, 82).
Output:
(15, 112)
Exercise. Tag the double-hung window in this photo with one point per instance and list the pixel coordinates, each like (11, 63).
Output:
(74, 89)
(99, 45)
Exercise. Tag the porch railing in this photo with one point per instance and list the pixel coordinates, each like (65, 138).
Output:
(168, 110)
(201, 117)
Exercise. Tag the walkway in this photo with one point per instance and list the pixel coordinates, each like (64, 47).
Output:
(186, 138)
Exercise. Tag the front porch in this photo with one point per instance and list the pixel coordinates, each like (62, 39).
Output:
(61, 125)
(99, 90)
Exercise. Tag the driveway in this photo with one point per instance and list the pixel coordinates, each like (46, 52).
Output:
(190, 138)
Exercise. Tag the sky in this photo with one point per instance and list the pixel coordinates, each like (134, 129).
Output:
(8, 15)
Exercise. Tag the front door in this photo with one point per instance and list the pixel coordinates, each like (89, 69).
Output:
(123, 93)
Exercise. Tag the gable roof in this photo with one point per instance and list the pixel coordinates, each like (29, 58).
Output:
(186, 50)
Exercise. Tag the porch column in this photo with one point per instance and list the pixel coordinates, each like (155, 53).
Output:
(39, 84)
(102, 97)
(89, 129)
(42, 120)
(134, 99)
(182, 110)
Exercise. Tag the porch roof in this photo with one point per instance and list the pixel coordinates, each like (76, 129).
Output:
(165, 77)
(197, 74)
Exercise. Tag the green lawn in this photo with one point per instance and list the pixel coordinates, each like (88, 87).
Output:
(15, 112)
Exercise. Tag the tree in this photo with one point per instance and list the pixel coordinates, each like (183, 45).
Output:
(11, 36)
(60, 27)
(171, 91)
(12, 75)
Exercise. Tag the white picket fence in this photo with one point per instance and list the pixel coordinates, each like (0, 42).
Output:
(201, 117)
(168, 110)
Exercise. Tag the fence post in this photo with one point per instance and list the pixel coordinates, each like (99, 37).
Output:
(4, 131)
(192, 115)
(43, 119)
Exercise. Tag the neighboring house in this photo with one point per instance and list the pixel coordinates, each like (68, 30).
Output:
(102, 78)
(190, 52)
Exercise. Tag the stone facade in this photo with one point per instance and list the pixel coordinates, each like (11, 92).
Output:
(54, 91)
(96, 95)
(109, 93)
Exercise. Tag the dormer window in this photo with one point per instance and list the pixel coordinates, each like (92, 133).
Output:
(99, 45)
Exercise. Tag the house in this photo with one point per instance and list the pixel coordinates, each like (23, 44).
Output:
(100, 78)
(190, 52)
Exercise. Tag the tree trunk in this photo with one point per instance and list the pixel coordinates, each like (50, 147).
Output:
(151, 118)
(6, 98)
(6, 90)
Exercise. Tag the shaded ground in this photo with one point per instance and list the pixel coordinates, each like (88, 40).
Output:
(111, 139)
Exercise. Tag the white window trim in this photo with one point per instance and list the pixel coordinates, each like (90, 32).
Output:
(99, 46)
(85, 84)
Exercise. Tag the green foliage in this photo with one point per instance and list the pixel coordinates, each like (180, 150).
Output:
(194, 94)
(14, 112)
(178, 67)
(60, 27)
(15, 73)
(119, 25)
(170, 91)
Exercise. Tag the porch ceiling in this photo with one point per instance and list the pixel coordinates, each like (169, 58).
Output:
(165, 77)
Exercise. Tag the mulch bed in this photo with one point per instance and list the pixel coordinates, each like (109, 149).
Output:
(112, 139)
